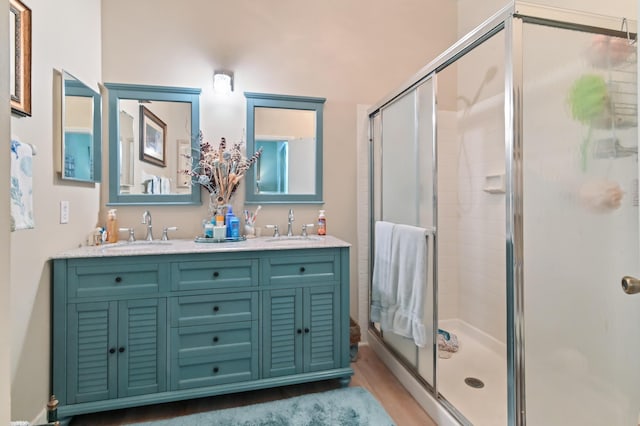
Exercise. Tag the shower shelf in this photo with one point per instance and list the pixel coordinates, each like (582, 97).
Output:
(494, 184)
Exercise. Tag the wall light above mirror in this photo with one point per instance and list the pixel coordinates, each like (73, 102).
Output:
(223, 81)
(152, 132)
(81, 153)
(289, 131)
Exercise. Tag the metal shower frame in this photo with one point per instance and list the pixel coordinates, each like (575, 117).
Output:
(511, 19)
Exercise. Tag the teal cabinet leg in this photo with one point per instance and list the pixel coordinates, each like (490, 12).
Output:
(62, 422)
(344, 381)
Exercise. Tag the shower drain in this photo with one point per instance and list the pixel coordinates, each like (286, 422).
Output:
(474, 383)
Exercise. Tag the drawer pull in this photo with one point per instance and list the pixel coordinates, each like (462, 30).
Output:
(306, 330)
(299, 331)
(215, 339)
(121, 349)
(216, 274)
(216, 309)
(215, 370)
(118, 279)
(302, 269)
(112, 350)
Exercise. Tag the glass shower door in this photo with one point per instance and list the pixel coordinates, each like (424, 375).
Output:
(580, 228)
(403, 181)
(472, 361)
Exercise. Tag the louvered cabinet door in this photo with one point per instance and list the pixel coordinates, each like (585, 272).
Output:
(282, 332)
(142, 347)
(92, 353)
(321, 328)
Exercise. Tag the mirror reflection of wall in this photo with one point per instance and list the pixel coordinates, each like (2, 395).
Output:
(81, 126)
(78, 138)
(127, 146)
(287, 164)
(139, 176)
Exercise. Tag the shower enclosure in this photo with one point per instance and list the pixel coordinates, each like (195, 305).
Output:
(518, 145)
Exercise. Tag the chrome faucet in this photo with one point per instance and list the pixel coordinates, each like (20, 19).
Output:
(290, 225)
(146, 219)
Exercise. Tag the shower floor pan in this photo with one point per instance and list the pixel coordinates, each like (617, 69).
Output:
(479, 357)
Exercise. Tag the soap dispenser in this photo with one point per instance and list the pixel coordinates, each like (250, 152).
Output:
(322, 223)
(112, 226)
(228, 219)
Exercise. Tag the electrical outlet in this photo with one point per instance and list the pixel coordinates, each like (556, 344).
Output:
(64, 212)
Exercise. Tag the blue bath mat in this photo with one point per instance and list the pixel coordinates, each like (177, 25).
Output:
(352, 406)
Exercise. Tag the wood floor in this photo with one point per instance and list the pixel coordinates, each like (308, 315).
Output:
(370, 373)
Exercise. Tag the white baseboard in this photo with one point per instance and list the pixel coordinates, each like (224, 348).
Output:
(41, 418)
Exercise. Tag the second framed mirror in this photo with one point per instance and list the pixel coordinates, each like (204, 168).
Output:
(288, 129)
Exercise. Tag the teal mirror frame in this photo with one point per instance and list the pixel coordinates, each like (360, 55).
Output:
(264, 100)
(152, 93)
(73, 87)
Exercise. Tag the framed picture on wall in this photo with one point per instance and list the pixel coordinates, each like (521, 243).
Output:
(20, 57)
(153, 138)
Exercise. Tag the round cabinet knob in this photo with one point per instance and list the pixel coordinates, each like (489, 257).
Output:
(112, 350)
(121, 349)
(215, 370)
(215, 339)
(299, 331)
(302, 269)
(216, 309)
(306, 330)
(216, 274)
(118, 279)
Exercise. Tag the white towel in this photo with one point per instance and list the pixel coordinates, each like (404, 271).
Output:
(409, 258)
(400, 280)
(165, 184)
(383, 291)
(21, 186)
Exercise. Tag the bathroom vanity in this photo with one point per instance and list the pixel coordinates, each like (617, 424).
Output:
(145, 323)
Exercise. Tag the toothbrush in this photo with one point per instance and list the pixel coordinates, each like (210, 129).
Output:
(255, 215)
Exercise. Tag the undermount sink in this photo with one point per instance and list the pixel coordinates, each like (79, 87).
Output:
(285, 238)
(125, 245)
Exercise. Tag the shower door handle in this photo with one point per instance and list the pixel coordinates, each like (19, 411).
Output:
(630, 285)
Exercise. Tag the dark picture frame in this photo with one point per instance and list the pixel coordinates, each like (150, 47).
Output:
(20, 57)
(153, 138)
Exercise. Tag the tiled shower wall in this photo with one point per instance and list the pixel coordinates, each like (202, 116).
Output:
(471, 221)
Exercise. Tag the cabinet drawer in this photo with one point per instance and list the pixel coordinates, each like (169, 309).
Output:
(199, 372)
(214, 309)
(214, 274)
(302, 269)
(214, 340)
(111, 280)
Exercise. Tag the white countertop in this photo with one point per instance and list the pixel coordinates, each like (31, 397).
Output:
(157, 247)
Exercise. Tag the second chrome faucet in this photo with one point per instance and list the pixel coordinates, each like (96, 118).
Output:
(146, 219)
(290, 223)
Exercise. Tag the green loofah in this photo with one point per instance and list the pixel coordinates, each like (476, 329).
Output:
(588, 97)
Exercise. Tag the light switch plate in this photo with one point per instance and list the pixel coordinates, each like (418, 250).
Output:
(64, 212)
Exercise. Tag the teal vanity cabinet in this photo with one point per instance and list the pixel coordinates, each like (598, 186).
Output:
(193, 320)
(301, 313)
(214, 321)
(112, 320)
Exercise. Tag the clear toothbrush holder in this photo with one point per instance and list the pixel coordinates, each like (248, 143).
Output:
(249, 230)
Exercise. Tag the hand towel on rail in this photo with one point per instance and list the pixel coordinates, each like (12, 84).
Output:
(409, 261)
(383, 291)
(21, 186)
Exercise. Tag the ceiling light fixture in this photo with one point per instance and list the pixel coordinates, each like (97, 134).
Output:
(222, 81)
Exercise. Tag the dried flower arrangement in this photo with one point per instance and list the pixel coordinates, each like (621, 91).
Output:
(220, 170)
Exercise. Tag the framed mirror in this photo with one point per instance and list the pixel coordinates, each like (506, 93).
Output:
(81, 157)
(288, 129)
(152, 131)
